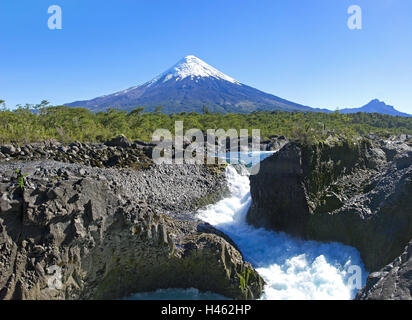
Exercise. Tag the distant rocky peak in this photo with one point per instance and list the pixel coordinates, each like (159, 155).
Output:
(377, 103)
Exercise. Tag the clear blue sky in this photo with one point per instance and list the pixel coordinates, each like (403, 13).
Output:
(301, 50)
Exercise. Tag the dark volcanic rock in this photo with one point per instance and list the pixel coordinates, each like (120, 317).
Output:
(8, 149)
(110, 233)
(357, 193)
(392, 282)
(119, 141)
(118, 153)
(279, 200)
(275, 143)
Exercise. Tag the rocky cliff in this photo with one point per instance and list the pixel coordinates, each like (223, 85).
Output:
(394, 281)
(355, 192)
(73, 231)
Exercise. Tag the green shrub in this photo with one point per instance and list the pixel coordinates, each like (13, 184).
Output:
(69, 124)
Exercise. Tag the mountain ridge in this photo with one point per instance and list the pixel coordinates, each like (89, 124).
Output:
(188, 86)
(191, 84)
(376, 106)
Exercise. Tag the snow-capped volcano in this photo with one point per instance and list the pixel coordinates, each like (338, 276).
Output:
(193, 67)
(188, 86)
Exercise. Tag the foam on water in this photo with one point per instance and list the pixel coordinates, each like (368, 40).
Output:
(292, 268)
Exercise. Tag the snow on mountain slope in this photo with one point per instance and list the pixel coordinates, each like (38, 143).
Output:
(188, 86)
(193, 67)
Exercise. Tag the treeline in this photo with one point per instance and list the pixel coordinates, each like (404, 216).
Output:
(66, 124)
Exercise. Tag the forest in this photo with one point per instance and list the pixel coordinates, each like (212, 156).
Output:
(34, 123)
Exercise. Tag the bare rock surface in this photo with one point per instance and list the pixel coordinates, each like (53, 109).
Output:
(393, 282)
(355, 192)
(105, 233)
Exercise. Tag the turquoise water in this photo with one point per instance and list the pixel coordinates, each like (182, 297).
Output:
(176, 294)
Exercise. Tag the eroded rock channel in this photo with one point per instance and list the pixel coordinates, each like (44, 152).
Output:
(358, 193)
(111, 231)
(115, 224)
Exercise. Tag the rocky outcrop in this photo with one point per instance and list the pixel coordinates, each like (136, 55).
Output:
(119, 141)
(116, 153)
(355, 192)
(392, 282)
(274, 143)
(279, 200)
(77, 232)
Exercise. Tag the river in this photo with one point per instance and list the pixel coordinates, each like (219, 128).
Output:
(292, 268)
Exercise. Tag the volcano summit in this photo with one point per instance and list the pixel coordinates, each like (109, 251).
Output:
(188, 86)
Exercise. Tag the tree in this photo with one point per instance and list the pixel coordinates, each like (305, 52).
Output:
(137, 111)
(41, 105)
(3, 104)
(205, 110)
(158, 109)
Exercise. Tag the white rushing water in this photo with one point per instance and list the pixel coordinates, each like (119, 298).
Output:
(292, 268)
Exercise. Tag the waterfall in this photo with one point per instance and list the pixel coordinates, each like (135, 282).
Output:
(292, 268)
